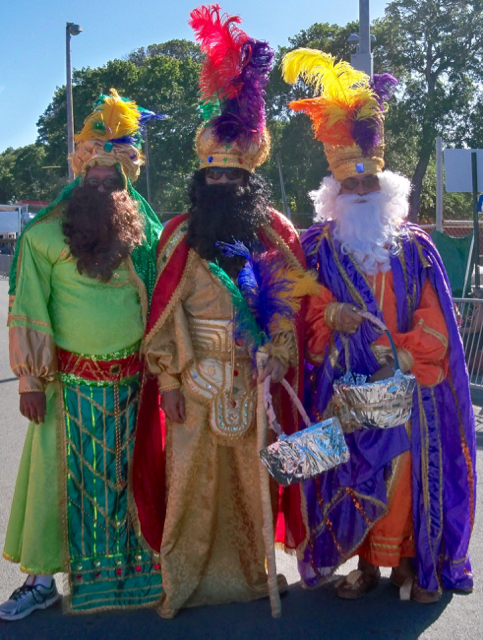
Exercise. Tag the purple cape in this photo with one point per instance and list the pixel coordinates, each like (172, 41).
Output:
(344, 503)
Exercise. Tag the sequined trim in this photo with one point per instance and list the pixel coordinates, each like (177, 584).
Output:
(402, 259)
(70, 378)
(282, 246)
(40, 323)
(439, 336)
(115, 355)
(174, 299)
(136, 281)
(171, 246)
(423, 259)
(348, 282)
(467, 455)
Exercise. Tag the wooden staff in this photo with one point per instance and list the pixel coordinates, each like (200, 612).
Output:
(268, 534)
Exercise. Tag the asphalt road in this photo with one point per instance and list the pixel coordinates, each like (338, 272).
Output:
(306, 614)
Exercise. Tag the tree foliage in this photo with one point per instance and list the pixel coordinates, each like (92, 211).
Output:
(434, 47)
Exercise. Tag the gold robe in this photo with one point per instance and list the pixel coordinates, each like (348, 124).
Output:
(212, 550)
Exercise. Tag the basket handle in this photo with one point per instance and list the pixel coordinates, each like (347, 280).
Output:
(380, 324)
(268, 402)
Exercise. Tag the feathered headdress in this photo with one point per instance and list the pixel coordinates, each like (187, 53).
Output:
(234, 75)
(348, 112)
(113, 134)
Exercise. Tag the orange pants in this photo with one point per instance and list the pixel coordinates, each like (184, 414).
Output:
(391, 538)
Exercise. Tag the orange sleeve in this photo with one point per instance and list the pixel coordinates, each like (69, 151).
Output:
(427, 342)
(317, 331)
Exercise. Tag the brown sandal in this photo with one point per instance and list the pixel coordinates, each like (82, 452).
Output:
(423, 596)
(410, 590)
(357, 584)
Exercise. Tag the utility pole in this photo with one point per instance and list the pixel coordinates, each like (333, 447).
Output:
(71, 29)
(476, 230)
(362, 60)
(286, 209)
(439, 184)
(146, 155)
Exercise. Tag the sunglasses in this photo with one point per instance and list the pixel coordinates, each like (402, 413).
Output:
(110, 184)
(368, 182)
(215, 173)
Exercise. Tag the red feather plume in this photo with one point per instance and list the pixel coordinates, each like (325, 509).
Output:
(221, 40)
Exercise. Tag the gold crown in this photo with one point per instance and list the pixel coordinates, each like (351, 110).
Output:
(100, 152)
(212, 153)
(346, 162)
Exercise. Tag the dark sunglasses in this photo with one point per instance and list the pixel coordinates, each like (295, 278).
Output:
(368, 182)
(232, 173)
(110, 184)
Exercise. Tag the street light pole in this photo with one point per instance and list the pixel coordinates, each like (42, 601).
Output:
(362, 60)
(71, 29)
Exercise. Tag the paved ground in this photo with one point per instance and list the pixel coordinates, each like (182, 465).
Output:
(306, 614)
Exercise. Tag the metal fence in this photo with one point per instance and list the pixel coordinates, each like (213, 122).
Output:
(469, 312)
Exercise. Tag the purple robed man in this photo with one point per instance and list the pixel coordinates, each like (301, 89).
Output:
(406, 497)
(367, 259)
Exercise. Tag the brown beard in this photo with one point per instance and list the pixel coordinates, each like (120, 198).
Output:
(101, 230)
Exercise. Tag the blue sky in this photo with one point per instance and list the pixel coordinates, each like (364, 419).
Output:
(32, 41)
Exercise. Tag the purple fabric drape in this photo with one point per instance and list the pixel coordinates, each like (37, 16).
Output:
(344, 503)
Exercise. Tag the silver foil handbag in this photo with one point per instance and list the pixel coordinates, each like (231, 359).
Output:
(373, 405)
(304, 454)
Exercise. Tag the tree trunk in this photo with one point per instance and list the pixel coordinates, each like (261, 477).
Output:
(417, 182)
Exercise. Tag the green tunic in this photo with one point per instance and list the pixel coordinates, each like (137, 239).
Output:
(85, 471)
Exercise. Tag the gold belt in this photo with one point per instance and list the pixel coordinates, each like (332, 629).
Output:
(211, 338)
(221, 376)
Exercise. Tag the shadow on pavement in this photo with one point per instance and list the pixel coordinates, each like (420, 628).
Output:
(306, 614)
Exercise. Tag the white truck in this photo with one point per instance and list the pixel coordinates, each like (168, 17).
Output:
(13, 218)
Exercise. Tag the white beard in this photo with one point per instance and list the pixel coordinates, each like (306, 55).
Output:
(367, 228)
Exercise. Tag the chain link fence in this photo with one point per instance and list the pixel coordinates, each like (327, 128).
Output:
(459, 229)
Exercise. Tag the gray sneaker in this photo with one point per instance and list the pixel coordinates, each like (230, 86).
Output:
(28, 598)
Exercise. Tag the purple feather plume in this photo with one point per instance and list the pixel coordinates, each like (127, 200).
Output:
(367, 133)
(243, 118)
(384, 85)
(262, 285)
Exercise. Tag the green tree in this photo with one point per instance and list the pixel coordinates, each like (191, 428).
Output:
(434, 47)
(162, 82)
(7, 175)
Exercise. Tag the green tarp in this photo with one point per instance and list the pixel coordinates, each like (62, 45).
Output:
(455, 253)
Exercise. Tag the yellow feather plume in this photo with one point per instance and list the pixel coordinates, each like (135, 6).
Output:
(114, 118)
(344, 97)
(302, 283)
(321, 71)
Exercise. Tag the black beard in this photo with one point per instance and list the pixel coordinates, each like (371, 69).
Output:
(225, 213)
(101, 230)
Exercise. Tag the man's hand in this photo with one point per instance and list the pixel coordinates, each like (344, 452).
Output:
(33, 406)
(172, 403)
(385, 372)
(348, 320)
(274, 368)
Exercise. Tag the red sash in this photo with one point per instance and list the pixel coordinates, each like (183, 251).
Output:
(98, 370)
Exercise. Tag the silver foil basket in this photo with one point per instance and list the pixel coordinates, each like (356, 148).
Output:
(306, 453)
(376, 405)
